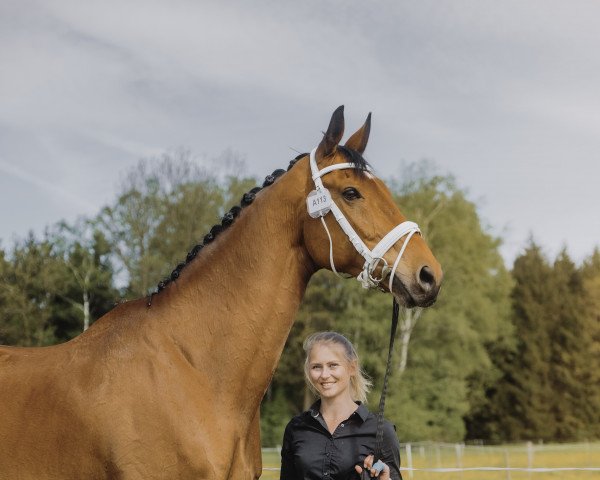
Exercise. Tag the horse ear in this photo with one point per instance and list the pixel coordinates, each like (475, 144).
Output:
(359, 140)
(333, 135)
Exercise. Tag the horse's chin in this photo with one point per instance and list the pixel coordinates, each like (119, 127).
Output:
(402, 295)
(404, 302)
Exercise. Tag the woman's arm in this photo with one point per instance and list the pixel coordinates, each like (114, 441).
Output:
(288, 468)
(391, 450)
(390, 456)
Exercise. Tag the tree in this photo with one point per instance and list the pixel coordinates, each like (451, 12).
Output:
(25, 279)
(166, 206)
(526, 391)
(448, 347)
(549, 388)
(575, 366)
(590, 272)
(51, 288)
(88, 285)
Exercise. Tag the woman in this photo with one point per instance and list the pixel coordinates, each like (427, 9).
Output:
(335, 438)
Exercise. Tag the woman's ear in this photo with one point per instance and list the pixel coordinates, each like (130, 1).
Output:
(353, 368)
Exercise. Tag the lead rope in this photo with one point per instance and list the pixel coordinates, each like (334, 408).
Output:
(379, 432)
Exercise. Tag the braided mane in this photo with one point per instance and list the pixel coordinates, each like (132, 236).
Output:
(354, 157)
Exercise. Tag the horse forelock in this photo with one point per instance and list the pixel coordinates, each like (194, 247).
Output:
(355, 158)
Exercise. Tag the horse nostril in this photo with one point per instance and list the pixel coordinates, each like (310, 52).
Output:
(426, 278)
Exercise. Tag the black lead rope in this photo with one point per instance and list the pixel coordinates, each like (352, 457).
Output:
(388, 368)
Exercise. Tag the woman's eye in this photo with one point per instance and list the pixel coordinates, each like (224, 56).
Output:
(351, 193)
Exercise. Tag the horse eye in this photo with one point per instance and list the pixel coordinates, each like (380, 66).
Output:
(351, 193)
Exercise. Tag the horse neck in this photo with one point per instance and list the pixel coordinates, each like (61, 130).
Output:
(232, 308)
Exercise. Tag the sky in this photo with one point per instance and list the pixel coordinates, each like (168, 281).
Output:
(504, 95)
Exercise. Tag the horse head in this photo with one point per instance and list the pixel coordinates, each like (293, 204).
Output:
(360, 230)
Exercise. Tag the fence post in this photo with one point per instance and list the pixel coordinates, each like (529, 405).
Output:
(458, 450)
(507, 464)
(409, 463)
(529, 458)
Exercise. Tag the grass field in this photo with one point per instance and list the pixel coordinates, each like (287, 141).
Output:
(440, 456)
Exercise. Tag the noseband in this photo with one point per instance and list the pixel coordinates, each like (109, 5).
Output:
(319, 203)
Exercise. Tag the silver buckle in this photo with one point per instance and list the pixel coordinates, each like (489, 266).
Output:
(373, 265)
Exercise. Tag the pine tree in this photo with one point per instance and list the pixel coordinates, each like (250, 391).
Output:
(590, 378)
(571, 345)
(523, 399)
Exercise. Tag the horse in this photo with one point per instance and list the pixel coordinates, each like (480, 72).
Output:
(169, 386)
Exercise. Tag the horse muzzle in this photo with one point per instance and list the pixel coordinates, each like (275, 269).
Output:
(420, 291)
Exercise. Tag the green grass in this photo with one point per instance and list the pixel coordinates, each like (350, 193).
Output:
(431, 455)
(271, 460)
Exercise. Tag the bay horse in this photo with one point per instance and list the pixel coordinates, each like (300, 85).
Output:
(170, 386)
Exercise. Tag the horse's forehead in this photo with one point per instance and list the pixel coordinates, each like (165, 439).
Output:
(370, 176)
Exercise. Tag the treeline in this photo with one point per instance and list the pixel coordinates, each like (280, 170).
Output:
(503, 355)
(550, 383)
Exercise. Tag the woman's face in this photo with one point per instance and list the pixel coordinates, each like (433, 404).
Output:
(329, 370)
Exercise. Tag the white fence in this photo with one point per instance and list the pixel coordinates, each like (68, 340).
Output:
(529, 457)
(440, 458)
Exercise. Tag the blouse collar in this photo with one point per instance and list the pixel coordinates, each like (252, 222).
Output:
(361, 411)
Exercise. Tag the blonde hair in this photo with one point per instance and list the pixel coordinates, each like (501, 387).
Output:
(360, 384)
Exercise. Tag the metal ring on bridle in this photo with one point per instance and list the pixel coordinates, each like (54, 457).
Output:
(373, 265)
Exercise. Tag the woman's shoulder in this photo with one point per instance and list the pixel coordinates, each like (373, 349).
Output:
(389, 429)
(367, 414)
(303, 417)
(297, 419)
(389, 432)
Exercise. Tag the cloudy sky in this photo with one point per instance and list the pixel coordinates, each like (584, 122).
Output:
(505, 95)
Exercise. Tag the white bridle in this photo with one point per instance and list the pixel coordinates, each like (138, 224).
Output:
(320, 203)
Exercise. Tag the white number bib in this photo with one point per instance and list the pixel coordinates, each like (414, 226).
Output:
(318, 202)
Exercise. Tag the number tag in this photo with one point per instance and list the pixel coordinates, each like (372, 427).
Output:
(318, 203)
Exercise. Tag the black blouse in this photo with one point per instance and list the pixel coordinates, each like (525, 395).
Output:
(310, 452)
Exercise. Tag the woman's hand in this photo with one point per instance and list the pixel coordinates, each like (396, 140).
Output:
(368, 464)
